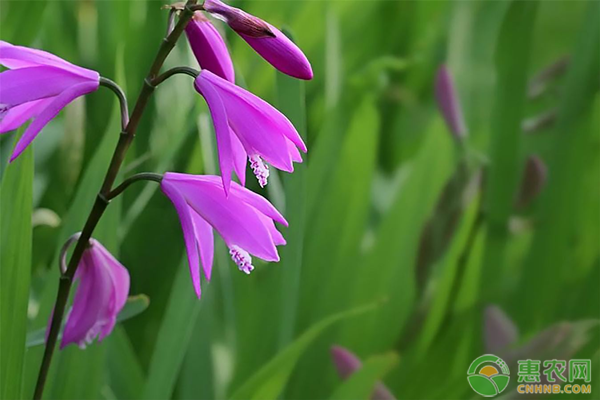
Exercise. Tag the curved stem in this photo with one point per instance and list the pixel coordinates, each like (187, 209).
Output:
(64, 285)
(62, 255)
(122, 99)
(174, 71)
(144, 176)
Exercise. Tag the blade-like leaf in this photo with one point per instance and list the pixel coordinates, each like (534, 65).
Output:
(15, 272)
(270, 380)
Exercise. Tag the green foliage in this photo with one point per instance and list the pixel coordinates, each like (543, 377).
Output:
(387, 208)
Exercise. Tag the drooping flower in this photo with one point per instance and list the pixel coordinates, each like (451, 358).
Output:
(264, 38)
(248, 127)
(346, 363)
(101, 294)
(209, 47)
(449, 103)
(38, 85)
(245, 221)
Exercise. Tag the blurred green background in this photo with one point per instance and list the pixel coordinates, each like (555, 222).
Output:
(401, 237)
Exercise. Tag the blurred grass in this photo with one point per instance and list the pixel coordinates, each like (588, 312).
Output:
(382, 171)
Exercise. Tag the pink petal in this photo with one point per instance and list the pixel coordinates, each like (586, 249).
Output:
(19, 86)
(281, 53)
(240, 158)
(205, 240)
(18, 115)
(15, 57)
(265, 39)
(187, 226)
(209, 47)
(254, 200)
(57, 104)
(219, 116)
(237, 222)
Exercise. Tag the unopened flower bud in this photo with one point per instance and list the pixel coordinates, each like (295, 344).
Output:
(449, 103)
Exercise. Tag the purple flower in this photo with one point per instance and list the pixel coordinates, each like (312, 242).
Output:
(248, 127)
(38, 85)
(209, 47)
(101, 294)
(346, 363)
(264, 38)
(449, 103)
(244, 219)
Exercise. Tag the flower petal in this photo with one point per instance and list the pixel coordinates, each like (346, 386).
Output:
(92, 296)
(15, 57)
(18, 115)
(255, 200)
(205, 240)
(236, 221)
(282, 53)
(19, 86)
(209, 47)
(187, 226)
(240, 158)
(52, 109)
(222, 132)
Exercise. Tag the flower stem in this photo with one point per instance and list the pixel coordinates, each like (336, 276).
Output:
(122, 99)
(144, 176)
(102, 199)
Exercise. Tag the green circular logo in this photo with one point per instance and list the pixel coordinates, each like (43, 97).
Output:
(488, 375)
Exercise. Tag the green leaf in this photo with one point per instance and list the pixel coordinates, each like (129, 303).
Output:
(125, 373)
(512, 62)
(291, 102)
(134, 306)
(270, 380)
(572, 152)
(15, 260)
(448, 268)
(361, 383)
(173, 336)
(388, 269)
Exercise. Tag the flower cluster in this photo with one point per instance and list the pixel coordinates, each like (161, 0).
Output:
(37, 85)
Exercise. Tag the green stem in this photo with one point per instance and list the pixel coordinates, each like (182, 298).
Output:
(102, 199)
(144, 176)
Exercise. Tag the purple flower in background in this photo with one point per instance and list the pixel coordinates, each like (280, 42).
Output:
(346, 363)
(248, 127)
(449, 103)
(101, 294)
(264, 38)
(209, 47)
(38, 85)
(245, 221)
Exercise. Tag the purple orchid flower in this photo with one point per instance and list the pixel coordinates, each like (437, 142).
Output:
(346, 363)
(449, 103)
(264, 38)
(245, 221)
(248, 127)
(101, 294)
(38, 85)
(209, 47)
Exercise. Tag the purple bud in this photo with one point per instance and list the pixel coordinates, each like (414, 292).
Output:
(449, 103)
(533, 181)
(209, 47)
(265, 39)
(346, 363)
(100, 296)
(500, 331)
